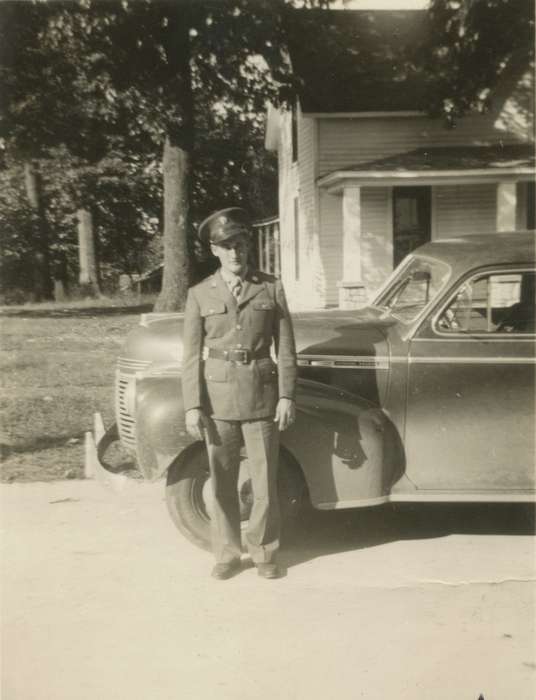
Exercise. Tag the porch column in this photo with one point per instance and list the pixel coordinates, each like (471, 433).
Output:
(351, 288)
(277, 270)
(267, 251)
(261, 248)
(506, 206)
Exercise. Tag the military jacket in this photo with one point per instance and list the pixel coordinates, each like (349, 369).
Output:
(259, 322)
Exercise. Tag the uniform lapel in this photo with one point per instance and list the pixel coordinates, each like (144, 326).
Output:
(252, 286)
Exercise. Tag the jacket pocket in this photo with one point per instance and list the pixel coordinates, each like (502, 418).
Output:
(215, 318)
(267, 370)
(261, 313)
(262, 304)
(215, 370)
(213, 307)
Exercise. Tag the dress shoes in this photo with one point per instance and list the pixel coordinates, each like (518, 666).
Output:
(226, 569)
(268, 570)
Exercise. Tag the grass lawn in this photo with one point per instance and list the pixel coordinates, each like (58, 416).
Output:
(56, 369)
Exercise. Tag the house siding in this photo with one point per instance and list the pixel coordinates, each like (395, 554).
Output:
(310, 288)
(297, 180)
(461, 210)
(344, 143)
(288, 189)
(326, 144)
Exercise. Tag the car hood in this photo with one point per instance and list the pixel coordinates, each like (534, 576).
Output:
(157, 340)
(346, 349)
(344, 333)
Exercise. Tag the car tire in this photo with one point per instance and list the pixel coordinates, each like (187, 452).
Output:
(188, 488)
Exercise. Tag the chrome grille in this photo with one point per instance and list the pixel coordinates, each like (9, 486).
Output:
(130, 365)
(125, 421)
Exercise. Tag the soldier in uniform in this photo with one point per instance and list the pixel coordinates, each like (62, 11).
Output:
(234, 393)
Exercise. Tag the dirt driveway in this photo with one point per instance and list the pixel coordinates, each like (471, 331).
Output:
(103, 599)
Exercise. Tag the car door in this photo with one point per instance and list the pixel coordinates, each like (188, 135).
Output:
(471, 388)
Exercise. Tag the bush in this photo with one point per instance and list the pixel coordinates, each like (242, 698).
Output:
(16, 297)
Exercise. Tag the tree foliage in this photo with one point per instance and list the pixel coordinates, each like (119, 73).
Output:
(471, 45)
(92, 91)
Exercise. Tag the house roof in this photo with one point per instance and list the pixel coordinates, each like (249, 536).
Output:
(354, 61)
(441, 163)
(455, 158)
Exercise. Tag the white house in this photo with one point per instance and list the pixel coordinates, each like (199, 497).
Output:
(365, 175)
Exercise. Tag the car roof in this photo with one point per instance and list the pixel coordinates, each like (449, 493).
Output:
(478, 250)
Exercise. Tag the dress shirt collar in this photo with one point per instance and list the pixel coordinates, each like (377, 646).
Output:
(230, 278)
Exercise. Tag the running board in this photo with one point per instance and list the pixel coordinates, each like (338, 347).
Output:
(424, 497)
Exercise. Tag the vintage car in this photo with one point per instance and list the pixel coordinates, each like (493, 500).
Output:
(425, 395)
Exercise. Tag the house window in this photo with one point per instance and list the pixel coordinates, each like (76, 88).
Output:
(296, 240)
(294, 132)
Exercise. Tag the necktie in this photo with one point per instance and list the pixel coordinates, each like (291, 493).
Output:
(237, 288)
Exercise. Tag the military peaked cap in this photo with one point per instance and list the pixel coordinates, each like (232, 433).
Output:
(224, 224)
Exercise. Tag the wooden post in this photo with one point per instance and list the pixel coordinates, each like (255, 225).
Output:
(277, 249)
(351, 288)
(261, 249)
(267, 251)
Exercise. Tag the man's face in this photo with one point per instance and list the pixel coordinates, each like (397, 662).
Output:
(233, 253)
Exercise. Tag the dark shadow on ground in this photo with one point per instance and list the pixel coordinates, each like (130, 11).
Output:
(85, 312)
(331, 532)
(40, 443)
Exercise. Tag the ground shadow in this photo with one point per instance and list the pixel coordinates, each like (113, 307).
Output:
(40, 443)
(330, 532)
(86, 312)
(119, 460)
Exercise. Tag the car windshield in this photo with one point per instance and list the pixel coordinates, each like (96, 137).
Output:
(413, 286)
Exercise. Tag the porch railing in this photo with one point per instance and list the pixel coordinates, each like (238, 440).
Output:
(266, 232)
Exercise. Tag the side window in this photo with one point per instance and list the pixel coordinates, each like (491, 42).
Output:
(493, 303)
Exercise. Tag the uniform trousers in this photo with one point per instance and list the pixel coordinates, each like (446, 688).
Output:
(224, 440)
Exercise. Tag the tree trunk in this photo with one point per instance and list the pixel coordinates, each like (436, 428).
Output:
(177, 165)
(89, 269)
(43, 286)
(61, 277)
(176, 275)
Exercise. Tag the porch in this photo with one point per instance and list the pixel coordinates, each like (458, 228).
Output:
(374, 215)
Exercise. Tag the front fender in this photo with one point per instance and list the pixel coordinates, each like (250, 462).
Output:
(349, 450)
(160, 428)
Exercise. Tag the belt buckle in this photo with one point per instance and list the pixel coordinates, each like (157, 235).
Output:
(242, 355)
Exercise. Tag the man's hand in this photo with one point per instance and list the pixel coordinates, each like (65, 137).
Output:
(285, 413)
(195, 423)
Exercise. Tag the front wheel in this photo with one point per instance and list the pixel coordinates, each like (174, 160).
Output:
(188, 493)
